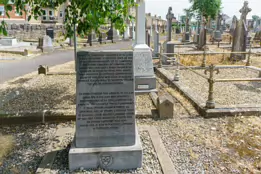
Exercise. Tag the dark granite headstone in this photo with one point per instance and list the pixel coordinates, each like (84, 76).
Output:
(106, 134)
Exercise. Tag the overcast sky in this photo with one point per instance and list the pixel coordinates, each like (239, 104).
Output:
(230, 7)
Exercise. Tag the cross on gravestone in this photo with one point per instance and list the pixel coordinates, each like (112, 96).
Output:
(106, 134)
(169, 18)
(244, 11)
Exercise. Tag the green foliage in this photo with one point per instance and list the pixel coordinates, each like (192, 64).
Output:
(206, 7)
(255, 17)
(88, 15)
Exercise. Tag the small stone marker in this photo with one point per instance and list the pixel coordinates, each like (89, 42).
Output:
(43, 69)
(106, 134)
(165, 106)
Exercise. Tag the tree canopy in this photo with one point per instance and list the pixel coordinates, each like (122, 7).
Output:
(86, 14)
(207, 8)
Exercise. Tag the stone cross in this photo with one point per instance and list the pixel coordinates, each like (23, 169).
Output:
(244, 11)
(169, 18)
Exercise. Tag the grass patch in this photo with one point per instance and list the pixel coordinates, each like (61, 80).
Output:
(6, 145)
(196, 60)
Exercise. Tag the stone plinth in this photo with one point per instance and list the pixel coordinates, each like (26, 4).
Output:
(110, 158)
(8, 41)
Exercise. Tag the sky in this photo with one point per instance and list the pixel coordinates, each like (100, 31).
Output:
(230, 7)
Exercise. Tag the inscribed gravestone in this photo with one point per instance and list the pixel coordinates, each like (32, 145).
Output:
(105, 121)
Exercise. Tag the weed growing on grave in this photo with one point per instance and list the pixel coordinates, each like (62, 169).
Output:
(6, 145)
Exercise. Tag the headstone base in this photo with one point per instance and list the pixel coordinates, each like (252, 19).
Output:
(109, 158)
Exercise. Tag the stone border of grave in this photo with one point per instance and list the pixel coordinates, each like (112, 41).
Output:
(162, 154)
(200, 105)
(58, 115)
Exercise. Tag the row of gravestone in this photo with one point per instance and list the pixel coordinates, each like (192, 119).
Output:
(31, 27)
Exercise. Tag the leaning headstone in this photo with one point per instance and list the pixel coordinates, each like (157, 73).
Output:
(106, 134)
(240, 36)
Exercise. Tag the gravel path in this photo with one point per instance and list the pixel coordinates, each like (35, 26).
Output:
(230, 93)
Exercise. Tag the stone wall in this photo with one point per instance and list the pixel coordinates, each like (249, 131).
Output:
(33, 31)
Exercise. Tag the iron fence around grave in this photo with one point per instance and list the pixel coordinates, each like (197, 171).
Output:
(212, 69)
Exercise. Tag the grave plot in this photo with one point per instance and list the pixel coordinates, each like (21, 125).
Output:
(236, 90)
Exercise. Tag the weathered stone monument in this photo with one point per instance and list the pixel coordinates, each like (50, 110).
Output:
(145, 80)
(45, 44)
(168, 46)
(113, 35)
(91, 38)
(186, 36)
(217, 33)
(106, 134)
(169, 18)
(202, 41)
(240, 35)
(156, 39)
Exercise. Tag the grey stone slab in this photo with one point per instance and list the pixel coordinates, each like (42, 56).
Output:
(109, 158)
(143, 63)
(105, 99)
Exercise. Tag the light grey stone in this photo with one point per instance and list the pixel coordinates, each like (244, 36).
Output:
(110, 158)
(8, 41)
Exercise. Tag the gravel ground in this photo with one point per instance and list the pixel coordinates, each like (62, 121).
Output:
(225, 93)
(37, 92)
(198, 145)
(34, 141)
(150, 162)
(31, 144)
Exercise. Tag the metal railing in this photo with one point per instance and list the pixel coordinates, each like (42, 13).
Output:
(212, 69)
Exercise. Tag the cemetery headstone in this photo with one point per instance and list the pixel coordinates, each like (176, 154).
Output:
(113, 35)
(217, 33)
(169, 18)
(45, 44)
(240, 35)
(106, 134)
(186, 37)
(50, 32)
(202, 35)
(102, 38)
(145, 80)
